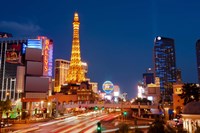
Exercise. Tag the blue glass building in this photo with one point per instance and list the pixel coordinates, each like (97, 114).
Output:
(164, 62)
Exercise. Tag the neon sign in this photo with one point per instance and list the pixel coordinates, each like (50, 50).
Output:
(47, 57)
(35, 43)
(108, 87)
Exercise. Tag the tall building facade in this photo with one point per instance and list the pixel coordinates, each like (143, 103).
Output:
(165, 62)
(177, 101)
(37, 75)
(148, 77)
(178, 75)
(17, 66)
(61, 68)
(11, 55)
(76, 73)
(198, 59)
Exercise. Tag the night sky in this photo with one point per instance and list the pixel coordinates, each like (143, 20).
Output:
(116, 36)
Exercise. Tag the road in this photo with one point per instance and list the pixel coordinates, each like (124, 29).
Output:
(85, 123)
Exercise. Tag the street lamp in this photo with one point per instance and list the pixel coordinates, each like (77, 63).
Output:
(49, 108)
(7, 95)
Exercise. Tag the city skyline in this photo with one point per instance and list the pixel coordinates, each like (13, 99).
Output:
(116, 37)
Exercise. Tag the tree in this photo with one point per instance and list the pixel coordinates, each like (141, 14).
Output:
(142, 101)
(190, 92)
(197, 129)
(157, 126)
(5, 106)
(137, 130)
(123, 128)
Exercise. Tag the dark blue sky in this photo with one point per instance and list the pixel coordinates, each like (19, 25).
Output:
(116, 36)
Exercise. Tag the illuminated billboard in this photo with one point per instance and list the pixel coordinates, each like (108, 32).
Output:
(35, 43)
(108, 87)
(13, 53)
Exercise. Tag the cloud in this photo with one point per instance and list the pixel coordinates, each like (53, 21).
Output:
(20, 28)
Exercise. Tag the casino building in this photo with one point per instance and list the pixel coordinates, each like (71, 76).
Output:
(26, 70)
(12, 54)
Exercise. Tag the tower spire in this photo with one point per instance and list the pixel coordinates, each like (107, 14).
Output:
(75, 73)
(76, 18)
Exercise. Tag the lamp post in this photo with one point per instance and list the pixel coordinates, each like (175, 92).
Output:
(7, 95)
(49, 109)
(41, 105)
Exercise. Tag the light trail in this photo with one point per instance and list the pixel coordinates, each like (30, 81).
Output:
(79, 125)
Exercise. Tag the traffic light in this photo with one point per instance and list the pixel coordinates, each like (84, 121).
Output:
(102, 108)
(99, 127)
(125, 113)
(95, 108)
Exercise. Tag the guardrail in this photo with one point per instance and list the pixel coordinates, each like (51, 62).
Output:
(131, 128)
(108, 105)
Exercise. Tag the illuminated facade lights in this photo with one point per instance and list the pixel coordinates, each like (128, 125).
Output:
(61, 71)
(164, 61)
(140, 91)
(76, 73)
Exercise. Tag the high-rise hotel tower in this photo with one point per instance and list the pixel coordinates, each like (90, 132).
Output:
(164, 61)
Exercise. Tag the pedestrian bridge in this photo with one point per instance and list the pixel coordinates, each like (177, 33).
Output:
(112, 105)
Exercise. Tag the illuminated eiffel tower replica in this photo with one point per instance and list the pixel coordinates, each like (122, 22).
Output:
(76, 83)
(75, 73)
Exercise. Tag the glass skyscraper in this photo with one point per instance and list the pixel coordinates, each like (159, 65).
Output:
(165, 62)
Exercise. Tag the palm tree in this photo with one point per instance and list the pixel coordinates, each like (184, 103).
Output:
(5, 106)
(190, 92)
